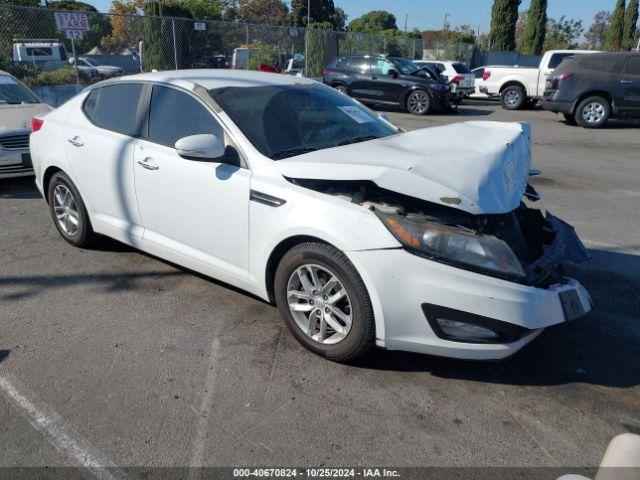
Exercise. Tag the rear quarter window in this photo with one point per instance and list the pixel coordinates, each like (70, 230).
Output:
(115, 107)
(633, 67)
(606, 64)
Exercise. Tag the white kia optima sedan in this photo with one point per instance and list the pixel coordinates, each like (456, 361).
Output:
(361, 233)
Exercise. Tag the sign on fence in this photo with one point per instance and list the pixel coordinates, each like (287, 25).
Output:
(199, 26)
(72, 23)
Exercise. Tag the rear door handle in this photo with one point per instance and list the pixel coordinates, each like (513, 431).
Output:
(148, 164)
(75, 141)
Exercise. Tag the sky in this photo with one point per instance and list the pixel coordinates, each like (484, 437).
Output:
(429, 14)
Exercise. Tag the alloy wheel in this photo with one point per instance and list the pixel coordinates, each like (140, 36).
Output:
(319, 304)
(593, 112)
(418, 102)
(66, 210)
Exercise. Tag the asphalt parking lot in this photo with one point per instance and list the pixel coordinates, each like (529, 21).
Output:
(123, 358)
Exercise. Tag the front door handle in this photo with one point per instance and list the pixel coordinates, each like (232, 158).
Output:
(148, 164)
(75, 141)
(626, 82)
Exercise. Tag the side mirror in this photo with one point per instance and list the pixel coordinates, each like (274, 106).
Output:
(200, 147)
(392, 72)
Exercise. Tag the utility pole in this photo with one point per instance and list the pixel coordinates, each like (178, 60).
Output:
(406, 19)
(306, 40)
(444, 25)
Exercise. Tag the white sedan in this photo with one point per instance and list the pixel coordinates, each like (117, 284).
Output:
(361, 234)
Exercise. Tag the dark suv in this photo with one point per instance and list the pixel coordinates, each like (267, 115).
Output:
(590, 89)
(378, 79)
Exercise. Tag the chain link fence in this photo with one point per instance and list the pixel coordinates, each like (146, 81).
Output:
(34, 50)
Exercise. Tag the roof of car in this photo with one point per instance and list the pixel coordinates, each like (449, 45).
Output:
(215, 78)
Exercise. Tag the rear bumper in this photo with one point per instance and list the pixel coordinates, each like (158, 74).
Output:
(556, 107)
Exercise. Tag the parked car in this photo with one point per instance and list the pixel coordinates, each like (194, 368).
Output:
(48, 55)
(480, 74)
(18, 105)
(90, 65)
(589, 91)
(212, 61)
(378, 79)
(241, 56)
(362, 234)
(462, 80)
(518, 87)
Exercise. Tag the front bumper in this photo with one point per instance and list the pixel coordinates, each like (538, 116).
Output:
(400, 283)
(15, 163)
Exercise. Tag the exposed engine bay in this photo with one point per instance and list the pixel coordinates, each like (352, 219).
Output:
(538, 241)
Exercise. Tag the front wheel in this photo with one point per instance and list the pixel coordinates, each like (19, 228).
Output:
(324, 302)
(513, 97)
(593, 112)
(418, 102)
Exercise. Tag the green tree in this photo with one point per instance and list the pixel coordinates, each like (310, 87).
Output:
(321, 11)
(71, 5)
(339, 20)
(321, 47)
(563, 33)
(597, 33)
(504, 17)
(157, 33)
(615, 34)
(630, 22)
(204, 9)
(535, 29)
(373, 22)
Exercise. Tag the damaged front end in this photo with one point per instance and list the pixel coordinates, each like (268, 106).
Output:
(525, 246)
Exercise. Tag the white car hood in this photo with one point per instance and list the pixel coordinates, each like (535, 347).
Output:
(477, 167)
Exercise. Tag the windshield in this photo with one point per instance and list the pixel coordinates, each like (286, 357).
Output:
(14, 93)
(282, 121)
(406, 67)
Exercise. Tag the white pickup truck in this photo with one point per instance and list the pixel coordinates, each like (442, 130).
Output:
(518, 87)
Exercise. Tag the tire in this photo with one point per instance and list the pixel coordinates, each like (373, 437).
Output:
(69, 212)
(513, 97)
(593, 112)
(570, 119)
(342, 89)
(418, 102)
(327, 263)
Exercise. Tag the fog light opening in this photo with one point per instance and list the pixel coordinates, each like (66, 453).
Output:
(465, 331)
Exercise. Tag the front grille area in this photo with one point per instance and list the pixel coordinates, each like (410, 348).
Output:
(15, 142)
(14, 169)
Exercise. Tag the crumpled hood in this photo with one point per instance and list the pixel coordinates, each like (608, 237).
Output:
(477, 167)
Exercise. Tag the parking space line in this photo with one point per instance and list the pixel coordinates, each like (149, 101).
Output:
(202, 424)
(62, 438)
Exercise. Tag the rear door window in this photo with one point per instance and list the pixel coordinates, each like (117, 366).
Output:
(359, 65)
(174, 115)
(115, 107)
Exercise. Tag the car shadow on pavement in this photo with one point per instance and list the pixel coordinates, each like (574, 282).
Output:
(602, 348)
(21, 188)
(461, 111)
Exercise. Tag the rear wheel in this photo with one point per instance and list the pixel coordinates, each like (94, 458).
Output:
(418, 102)
(68, 211)
(324, 302)
(513, 97)
(593, 112)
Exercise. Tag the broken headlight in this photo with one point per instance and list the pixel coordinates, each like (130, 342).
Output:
(454, 245)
